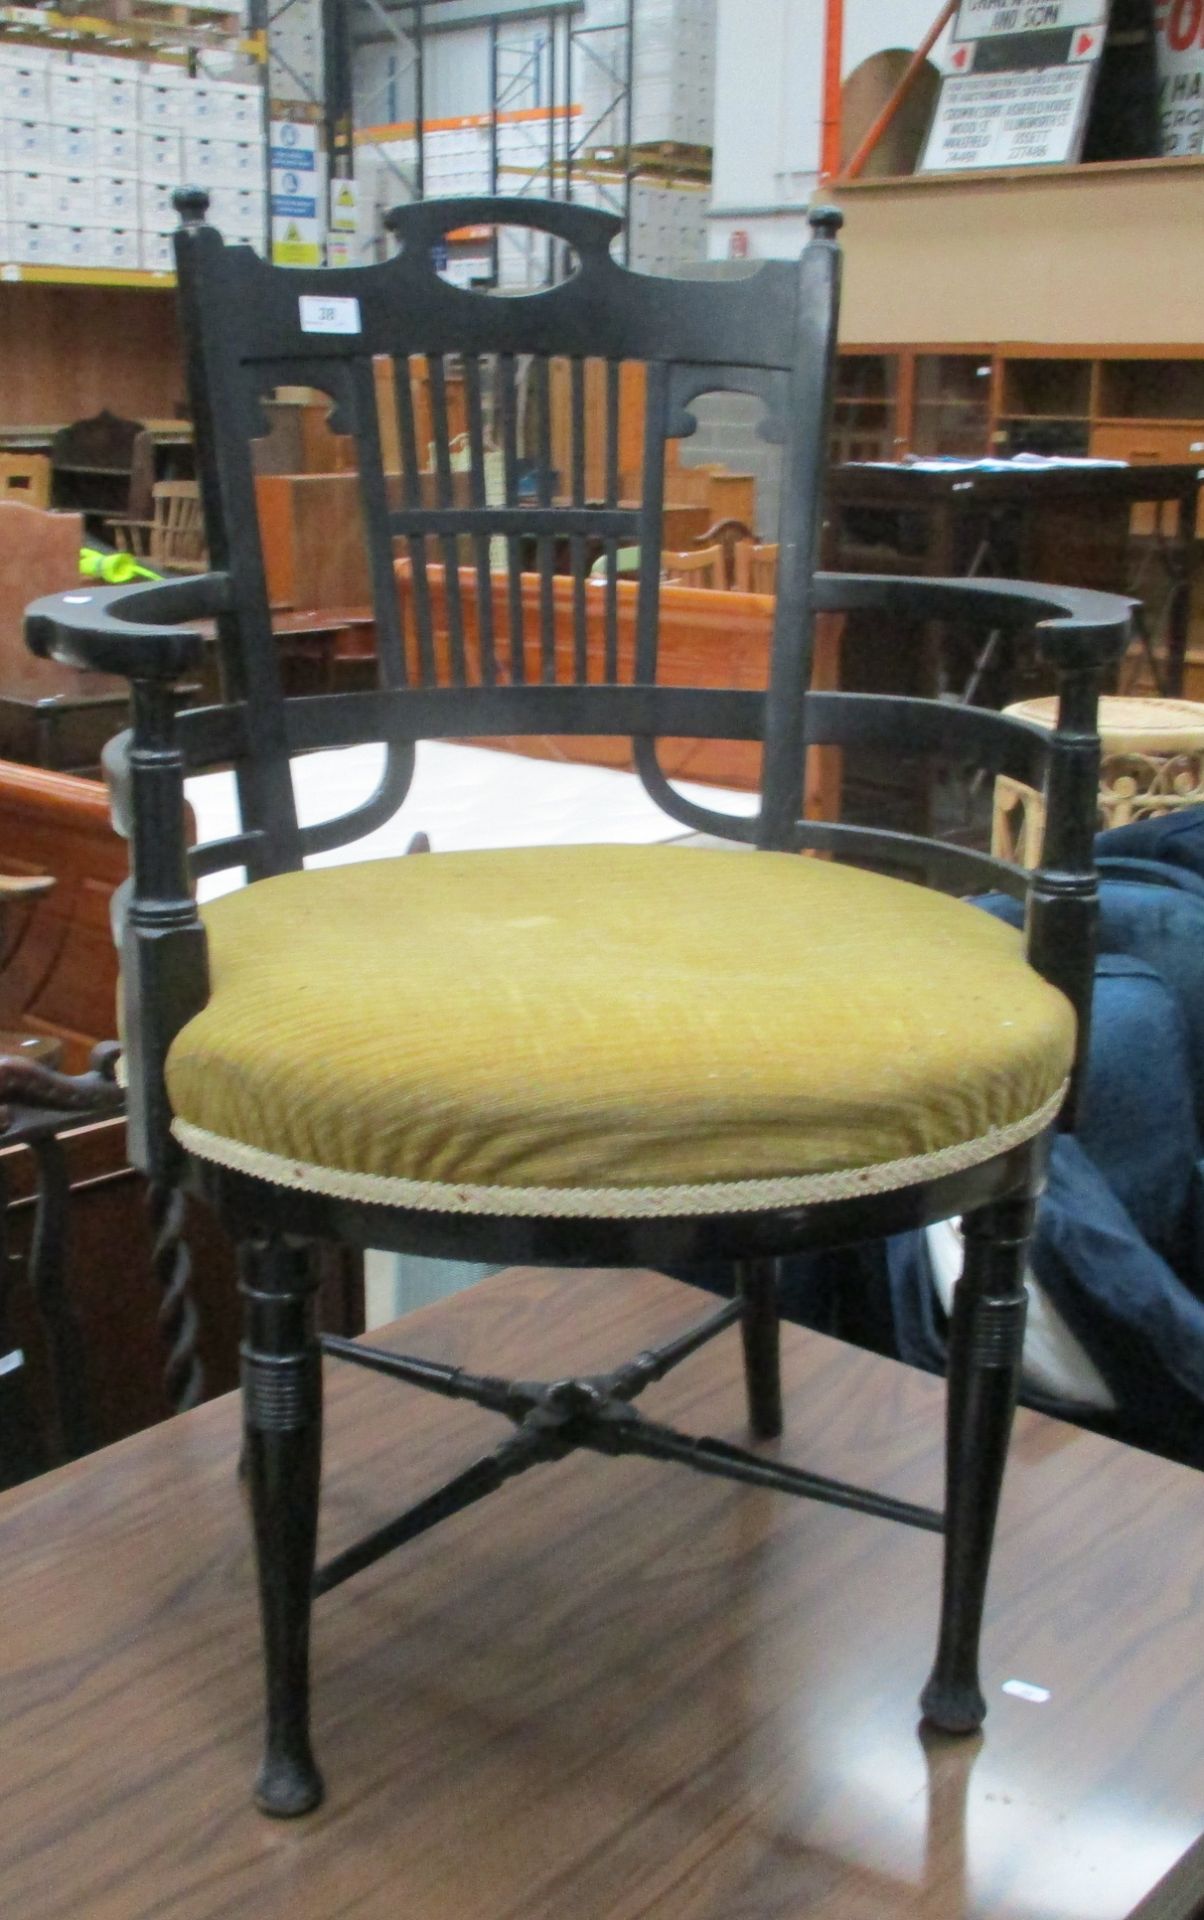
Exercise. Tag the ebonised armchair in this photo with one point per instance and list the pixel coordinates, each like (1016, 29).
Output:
(594, 1055)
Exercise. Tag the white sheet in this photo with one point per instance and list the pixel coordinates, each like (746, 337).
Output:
(462, 798)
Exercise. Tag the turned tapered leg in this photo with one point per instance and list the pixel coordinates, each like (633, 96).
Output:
(282, 1450)
(757, 1281)
(986, 1340)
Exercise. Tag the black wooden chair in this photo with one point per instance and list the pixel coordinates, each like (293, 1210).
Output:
(590, 1055)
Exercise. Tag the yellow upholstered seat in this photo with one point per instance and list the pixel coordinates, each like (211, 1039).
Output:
(611, 1031)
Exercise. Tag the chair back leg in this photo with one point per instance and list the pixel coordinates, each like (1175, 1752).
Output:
(757, 1281)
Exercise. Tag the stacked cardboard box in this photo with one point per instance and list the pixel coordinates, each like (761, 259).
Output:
(91, 149)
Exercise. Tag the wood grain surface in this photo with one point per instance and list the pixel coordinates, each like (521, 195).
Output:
(616, 1690)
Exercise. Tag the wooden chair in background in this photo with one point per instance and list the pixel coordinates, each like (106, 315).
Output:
(172, 540)
(727, 535)
(704, 567)
(756, 566)
(25, 478)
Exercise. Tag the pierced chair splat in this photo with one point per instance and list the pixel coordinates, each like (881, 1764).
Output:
(594, 1055)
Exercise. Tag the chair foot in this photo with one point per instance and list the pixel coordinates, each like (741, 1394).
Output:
(288, 1785)
(954, 1707)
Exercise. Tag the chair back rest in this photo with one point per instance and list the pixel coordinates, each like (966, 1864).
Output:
(524, 402)
(25, 478)
(103, 440)
(755, 566)
(703, 567)
(177, 526)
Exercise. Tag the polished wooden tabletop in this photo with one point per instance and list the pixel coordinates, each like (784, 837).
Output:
(616, 1691)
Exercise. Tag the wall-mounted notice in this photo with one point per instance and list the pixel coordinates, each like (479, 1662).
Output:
(1017, 84)
(296, 226)
(1179, 48)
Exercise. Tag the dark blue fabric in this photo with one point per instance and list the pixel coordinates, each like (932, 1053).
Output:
(1119, 1246)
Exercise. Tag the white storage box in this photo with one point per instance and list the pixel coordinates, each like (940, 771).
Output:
(73, 149)
(72, 97)
(246, 162)
(26, 144)
(155, 211)
(201, 109)
(117, 248)
(22, 87)
(159, 102)
(225, 163)
(117, 148)
(241, 111)
(79, 247)
(159, 157)
(70, 200)
(237, 210)
(156, 252)
(118, 199)
(37, 243)
(30, 195)
(117, 97)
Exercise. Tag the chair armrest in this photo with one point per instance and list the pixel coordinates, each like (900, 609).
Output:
(127, 630)
(1076, 627)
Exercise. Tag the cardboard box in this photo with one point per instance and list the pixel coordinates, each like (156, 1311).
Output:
(117, 97)
(72, 148)
(37, 243)
(29, 194)
(238, 209)
(118, 199)
(117, 147)
(155, 251)
(71, 97)
(159, 102)
(155, 211)
(159, 157)
(210, 163)
(79, 246)
(241, 112)
(26, 144)
(22, 87)
(117, 248)
(70, 199)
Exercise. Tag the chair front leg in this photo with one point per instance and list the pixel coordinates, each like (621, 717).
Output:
(757, 1281)
(282, 1451)
(986, 1342)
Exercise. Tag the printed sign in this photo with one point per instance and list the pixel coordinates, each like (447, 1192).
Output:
(344, 206)
(1019, 94)
(1179, 51)
(296, 225)
(329, 315)
(977, 19)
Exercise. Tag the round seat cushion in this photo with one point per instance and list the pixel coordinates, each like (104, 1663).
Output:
(611, 1032)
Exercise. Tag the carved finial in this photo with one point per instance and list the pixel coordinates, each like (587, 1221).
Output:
(192, 204)
(825, 222)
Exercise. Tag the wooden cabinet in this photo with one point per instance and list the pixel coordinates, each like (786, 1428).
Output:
(1144, 405)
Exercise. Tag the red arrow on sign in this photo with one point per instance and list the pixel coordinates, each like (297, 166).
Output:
(961, 56)
(1084, 44)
